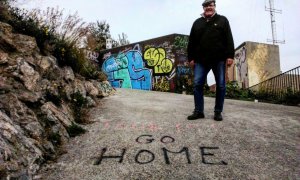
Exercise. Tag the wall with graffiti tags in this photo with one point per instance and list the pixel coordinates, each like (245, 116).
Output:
(158, 64)
(161, 64)
(254, 63)
(241, 66)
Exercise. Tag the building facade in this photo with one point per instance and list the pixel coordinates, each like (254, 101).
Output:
(254, 63)
(161, 64)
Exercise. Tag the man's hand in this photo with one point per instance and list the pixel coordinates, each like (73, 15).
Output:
(192, 64)
(229, 61)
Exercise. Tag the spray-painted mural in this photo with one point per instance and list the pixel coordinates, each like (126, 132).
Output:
(156, 59)
(92, 55)
(151, 65)
(161, 59)
(255, 63)
(127, 70)
(241, 66)
(181, 42)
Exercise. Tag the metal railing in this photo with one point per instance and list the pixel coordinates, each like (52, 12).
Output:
(280, 85)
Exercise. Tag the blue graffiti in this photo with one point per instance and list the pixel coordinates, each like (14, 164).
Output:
(140, 76)
(183, 70)
(127, 70)
(116, 69)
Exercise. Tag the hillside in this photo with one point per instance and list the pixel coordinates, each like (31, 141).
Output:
(41, 105)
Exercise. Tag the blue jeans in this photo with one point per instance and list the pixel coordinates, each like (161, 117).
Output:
(200, 74)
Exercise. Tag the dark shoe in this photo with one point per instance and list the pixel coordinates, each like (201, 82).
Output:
(218, 116)
(196, 115)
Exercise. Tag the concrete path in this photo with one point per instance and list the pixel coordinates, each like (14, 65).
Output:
(145, 135)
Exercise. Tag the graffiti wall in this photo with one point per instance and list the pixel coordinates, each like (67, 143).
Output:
(159, 64)
(127, 70)
(254, 63)
(241, 67)
(263, 62)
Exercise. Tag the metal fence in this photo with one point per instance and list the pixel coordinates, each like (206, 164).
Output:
(280, 85)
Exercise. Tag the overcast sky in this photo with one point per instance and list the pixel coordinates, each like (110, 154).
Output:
(147, 19)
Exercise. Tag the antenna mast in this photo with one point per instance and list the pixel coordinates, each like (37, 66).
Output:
(273, 23)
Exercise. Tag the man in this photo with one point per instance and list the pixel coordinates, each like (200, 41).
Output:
(210, 47)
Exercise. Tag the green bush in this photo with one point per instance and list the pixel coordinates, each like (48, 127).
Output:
(291, 98)
(233, 91)
(26, 25)
(54, 138)
(53, 35)
(4, 12)
(78, 106)
(208, 92)
(287, 97)
(78, 100)
(75, 130)
(184, 83)
(264, 96)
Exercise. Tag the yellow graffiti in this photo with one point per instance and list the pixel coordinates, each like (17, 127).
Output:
(156, 58)
(163, 85)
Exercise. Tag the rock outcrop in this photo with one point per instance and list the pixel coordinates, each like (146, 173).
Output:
(36, 102)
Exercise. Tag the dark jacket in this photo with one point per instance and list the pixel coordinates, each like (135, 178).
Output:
(210, 41)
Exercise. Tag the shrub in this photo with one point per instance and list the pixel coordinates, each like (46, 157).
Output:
(24, 24)
(287, 97)
(184, 83)
(55, 35)
(207, 91)
(291, 98)
(79, 110)
(54, 138)
(233, 91)
(75, 130)
(69, 29)
(78, 99)
(4, 12)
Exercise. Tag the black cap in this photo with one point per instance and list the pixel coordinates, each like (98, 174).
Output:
(208, 2)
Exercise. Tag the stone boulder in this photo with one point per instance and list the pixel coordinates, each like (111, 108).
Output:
(91, 89)
(105, 89)
(68, 74)
(57, 115)
(24, 44)
(17, 149)
(3, 58)
(6, 38)
(27, 74)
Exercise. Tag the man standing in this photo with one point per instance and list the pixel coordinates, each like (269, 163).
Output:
(210, 47)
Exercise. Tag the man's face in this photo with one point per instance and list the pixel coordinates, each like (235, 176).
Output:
(209, 9)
